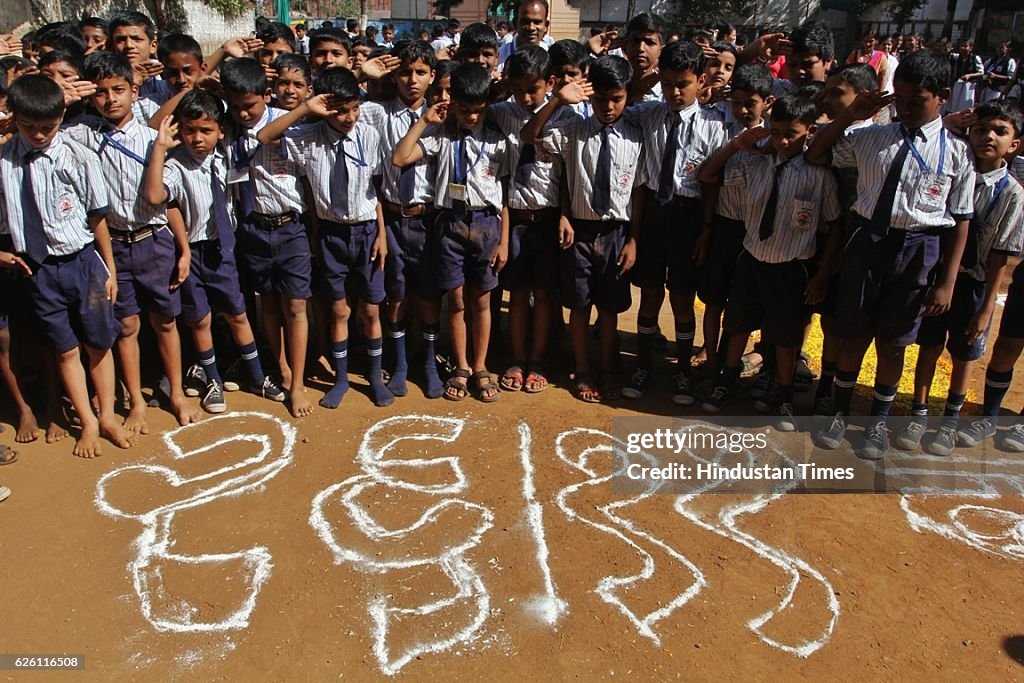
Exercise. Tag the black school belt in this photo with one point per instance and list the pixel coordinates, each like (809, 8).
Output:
(521, 216)
(133, 236)
(266, 221)
(677, 199)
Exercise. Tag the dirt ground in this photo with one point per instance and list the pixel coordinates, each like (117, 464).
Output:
(466, 541)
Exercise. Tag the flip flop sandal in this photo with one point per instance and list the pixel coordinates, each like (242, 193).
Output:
(8, 456)
(535, 381)
(457, 381)
(512, 380)
(487, 391)
(586, 390)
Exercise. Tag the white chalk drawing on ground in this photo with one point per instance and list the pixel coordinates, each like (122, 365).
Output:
(153, 547)
(412, 545)
(982, 527)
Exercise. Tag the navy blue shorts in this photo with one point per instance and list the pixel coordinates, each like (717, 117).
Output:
(769, 297)
(720, 267)
(144, 273)
(664, 250)
(589, 274)
(1012, 323)
(412, 250)
(69, 300)
(950, 327)
(212, 283)
(882, 285)
(532, 254)
(345, 261)
(276, 261)
(465, 249)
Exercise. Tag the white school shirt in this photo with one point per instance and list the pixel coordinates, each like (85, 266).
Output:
(578, 142)
(1017, 168)
(125, 173)
(393, 120)
(508, 47)
(542, 189)
(700, 132)
(732, 195)
(807, 202)
(488, 152)
(275, 179)
(315, 147)
(68, 189)
(871, 151)
(1000, 228)
(189, 182)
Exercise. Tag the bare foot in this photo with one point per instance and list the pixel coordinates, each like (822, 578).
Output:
(300, 404)
(186, 413)
(117, 434)
(88, 444)
(136, 420)
(28, 428)
(55, 432)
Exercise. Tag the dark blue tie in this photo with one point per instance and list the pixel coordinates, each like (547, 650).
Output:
(527, 160)
(768, 217)
(459, 205)
(407, 176)
(339, 180)
(882, 215)
(667, 179)
(603, 176)
(35, 237)
(221, 217)
(246, 195)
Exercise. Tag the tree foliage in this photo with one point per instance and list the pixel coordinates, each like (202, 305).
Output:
(704, 11)
(899, 11)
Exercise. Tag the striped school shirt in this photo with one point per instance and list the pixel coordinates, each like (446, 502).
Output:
(393, 120)
(275, 179)
(189, 182)
(999, 226)
(68, 189)
(871, 151)
(732, 196)
(124, 173)
(489, 158)
(808, 200)
(1017, 168)
(542, 188)
(700, 132)
(578, 142)
(316, 147)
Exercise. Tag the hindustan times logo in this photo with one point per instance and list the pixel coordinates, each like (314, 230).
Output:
(678, 441)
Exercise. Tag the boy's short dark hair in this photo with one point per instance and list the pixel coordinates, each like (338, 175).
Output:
(471, 83)
(292, 62)
(339, 83)
(531, 62)
(454, 23)
(93, 22)
(814, 38)
(132, 18)
(1005, 110)
(362, 41)
(722, 46)
(243, 76)
(274, 31)
(925, 69)
(300, 26)
(477, 37)
(567, 52)
(59, 56)
(411, 51)
(609, 72)
(753, 78)
(179, 43)
(723, 28)
(506, 26)
(198, 103)
(860, 76)
(61, 35)
(795, 108)
(101, 65)
(681, 56)
(810, 91)
(329, 35)
(13, 62)
(36, 97)
(445, 67)
(647, 22)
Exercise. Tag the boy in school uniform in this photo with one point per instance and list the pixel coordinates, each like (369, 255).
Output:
(182, 59)
(133, 35)
(789, 204)
(340, 158)
(272, 246)
(479, 45)
(55, 201)
(605, 169)
(535, 234)
(194, 178)
(901, 263)
(152, 255)
(329, 47)
(996, 233)
(679, 135)
(472, 164)
(644, 41)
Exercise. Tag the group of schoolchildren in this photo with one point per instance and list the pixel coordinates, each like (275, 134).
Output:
(386, 181)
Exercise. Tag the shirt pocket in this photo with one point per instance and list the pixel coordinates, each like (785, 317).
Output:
(804, 214)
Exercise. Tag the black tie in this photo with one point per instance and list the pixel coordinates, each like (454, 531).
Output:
(882, 215)
(459, 205)
(35, 237)
(603, 176)
(339, 180)
(407, 176)
(768, 217)
(667, 179)
(527, 159)
(246, 194)
(221, 217)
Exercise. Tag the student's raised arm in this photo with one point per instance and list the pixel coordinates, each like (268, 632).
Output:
(154, 190)
(319, 105)
(746, 141)
(408, 150)
(571, 93)
(867, 104)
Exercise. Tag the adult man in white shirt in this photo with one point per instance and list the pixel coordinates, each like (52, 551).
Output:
(532, 24)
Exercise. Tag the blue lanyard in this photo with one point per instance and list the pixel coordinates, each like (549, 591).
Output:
(920, 159)
(995, 196)
(462, 174)
(108, 138)
(361, 159)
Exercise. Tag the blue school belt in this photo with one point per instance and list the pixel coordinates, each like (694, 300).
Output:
(970, 258)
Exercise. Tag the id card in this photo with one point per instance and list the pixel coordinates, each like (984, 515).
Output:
(932, 192)
(803, 215)
(457, 192)
(238, 175)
